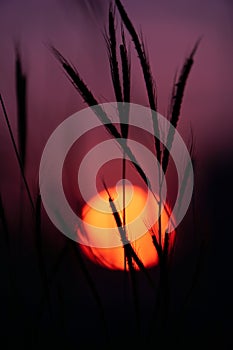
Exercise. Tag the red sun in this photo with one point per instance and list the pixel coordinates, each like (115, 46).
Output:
(141, 214)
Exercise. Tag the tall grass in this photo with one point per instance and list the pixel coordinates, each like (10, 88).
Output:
(20, 153)
(122, 94)
(89, 98)
(120, 71)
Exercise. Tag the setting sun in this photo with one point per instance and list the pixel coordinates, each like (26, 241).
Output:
(141, 214)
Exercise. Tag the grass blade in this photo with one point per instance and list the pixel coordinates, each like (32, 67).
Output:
(92, 102)
(177, 98)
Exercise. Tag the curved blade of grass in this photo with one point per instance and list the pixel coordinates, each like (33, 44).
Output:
(88, 97)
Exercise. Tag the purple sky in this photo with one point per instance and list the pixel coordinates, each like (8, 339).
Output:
(170, 29)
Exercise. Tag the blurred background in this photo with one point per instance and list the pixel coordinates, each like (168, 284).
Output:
(75, 27)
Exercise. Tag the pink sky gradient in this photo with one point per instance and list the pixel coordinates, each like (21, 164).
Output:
(170, 30)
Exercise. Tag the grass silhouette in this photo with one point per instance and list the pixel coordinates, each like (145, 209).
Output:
(120, 71)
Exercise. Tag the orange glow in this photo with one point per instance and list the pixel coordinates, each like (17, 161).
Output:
(136, 202)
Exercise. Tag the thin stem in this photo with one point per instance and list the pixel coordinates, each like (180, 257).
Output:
(17, 153)
(129, 250)
(124, 211)
(124, 177)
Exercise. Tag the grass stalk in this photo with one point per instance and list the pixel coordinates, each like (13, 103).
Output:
(124, 118)
(144, 62)
(177, 99)
(126, 72)
(21, 102)
(112, 54)
(21, 96)
(17, 153)
(129, 250)
(150, 87)
(129, 256)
